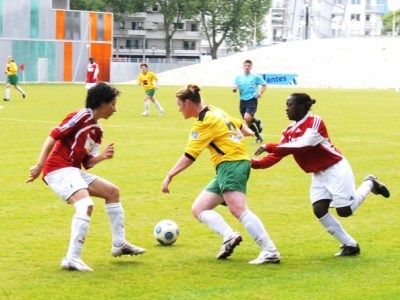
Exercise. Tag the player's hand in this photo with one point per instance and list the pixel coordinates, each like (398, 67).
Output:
(108, 152)
(164, 186)
(260, 150)
(34, 173)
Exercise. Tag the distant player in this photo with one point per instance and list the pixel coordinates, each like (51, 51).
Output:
(251, 87)
(92, 73)
(332, 177)
(149, 81)
(12, 78)
(74, 144)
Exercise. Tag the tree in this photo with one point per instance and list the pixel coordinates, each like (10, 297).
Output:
(235, 22)
(388, 23)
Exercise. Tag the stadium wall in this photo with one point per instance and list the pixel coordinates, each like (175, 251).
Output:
(54, 45)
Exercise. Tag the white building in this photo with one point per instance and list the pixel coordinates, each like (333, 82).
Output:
(305, 19)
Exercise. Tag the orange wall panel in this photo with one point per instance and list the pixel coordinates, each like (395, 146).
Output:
(108, 25)
(68, 61)
(60, 24)
(102, 54)
(93, 26)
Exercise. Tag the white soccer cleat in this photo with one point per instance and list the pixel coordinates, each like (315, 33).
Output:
(161, 112)
(229, 244)
(267, 257)
(126, 249)
(75, 264)
(145, 113)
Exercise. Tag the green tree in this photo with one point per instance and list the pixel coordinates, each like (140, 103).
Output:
(235, 22)
(388, 22)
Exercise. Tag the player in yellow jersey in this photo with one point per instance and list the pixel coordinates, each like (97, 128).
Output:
(149, 81)
(224, 137)
(12, 78)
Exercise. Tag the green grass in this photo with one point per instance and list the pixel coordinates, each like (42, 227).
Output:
(35, 224)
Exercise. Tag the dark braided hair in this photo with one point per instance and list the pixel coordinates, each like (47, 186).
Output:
(303, 98)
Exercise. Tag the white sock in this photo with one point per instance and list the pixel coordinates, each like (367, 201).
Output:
(333, 226)
(8, 93)
(115, 213)
(157, 104)
(79, 230)
(215, 221)
(256, 229)
(146, 105)
(361, 193)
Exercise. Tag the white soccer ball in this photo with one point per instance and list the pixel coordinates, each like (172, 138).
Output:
(166, 232)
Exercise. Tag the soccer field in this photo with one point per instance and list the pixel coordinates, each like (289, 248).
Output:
(35, 224)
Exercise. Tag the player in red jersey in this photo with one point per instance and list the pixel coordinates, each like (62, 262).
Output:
(71, 145)
(92, 73)
(333, 183)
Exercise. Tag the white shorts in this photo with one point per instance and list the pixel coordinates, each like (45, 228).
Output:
(89, 85)
(66, 181)
(335, 183)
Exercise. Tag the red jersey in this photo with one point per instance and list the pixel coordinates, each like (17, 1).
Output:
(308, 141)
(78, 138)
(92, 72)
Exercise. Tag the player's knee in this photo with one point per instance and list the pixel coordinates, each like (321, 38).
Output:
(320, 208)
(344, 211)
(84, 207)
(113, 193)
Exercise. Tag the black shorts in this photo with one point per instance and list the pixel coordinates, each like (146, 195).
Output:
(249, 106)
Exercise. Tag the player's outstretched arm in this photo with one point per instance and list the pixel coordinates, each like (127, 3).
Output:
(36, 170)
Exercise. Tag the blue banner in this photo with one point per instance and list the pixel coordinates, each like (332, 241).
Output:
(280, 79)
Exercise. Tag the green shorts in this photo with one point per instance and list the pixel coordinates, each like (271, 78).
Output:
(12, 79)
(151, 92)
(231, 176)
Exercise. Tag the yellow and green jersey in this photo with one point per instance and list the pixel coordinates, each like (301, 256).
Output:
(220, 133)
(147, 80)
(11, 68)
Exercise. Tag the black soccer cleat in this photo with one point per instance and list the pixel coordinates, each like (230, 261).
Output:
(259, 125)
(378, 188)
(349, 250)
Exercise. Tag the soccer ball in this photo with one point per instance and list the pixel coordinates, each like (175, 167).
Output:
(166, 232)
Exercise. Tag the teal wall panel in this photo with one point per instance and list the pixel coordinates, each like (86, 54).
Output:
(28, 52)
(34, 28)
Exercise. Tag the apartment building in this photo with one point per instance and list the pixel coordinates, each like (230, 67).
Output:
(305, 19)
(140, 37)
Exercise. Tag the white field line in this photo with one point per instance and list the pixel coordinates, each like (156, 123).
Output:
(185, 130)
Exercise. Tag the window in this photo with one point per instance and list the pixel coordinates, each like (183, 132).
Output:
(178, 26)
(339, 2)
(356, 2)
(367, 18)
(155, 8)
(189, 45)
(137, 25)
(194, 27)
(355, 17)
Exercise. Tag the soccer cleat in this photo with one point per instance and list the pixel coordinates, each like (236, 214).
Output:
(126, 249)
(378, 188)
(259, 125)
(229, 244)
(75, 264)
(267, 257)
(349, 250)
(23, 96)
(5, 99)
(145, 113)
(259, 140)
(161, 112)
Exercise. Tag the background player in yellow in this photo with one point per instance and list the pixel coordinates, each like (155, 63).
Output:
(149, 81)
(12, 78)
